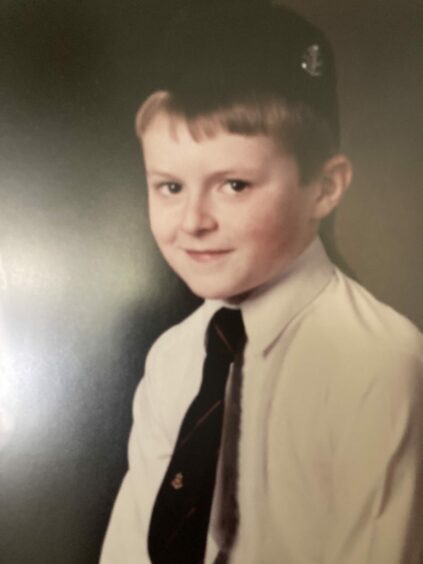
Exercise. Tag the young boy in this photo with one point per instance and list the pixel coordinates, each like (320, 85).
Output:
(311, 450)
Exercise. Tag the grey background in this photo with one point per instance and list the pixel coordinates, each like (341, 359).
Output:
(83, 290)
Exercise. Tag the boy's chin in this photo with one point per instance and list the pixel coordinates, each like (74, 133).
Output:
(227, 295)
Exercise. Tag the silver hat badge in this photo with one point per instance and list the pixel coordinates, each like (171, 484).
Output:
(312, 61)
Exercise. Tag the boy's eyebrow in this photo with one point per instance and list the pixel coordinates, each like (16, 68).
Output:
(234, 172)
(153, 172)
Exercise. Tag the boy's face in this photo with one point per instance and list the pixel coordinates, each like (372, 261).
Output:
(227, 212)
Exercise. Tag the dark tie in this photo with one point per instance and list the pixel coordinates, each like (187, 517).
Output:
(181, 514)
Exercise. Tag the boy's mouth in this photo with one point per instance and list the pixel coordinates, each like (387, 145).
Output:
(206, 255)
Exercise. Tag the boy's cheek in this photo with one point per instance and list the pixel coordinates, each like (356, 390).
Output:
(162, 222)
(162, 237)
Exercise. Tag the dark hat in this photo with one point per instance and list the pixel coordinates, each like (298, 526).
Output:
(216, 51)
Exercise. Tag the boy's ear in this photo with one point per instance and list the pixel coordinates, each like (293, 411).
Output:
(335, 178)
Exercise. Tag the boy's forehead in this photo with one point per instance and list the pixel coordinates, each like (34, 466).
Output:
(169, 147)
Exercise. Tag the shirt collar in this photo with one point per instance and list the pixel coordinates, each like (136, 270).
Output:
(268, 310)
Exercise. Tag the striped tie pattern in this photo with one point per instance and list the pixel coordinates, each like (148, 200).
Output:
(181, 514)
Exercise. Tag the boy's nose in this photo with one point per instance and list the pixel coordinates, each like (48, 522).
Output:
(197, 216)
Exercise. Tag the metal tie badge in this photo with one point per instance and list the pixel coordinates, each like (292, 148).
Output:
(178, 481)
(312, 61)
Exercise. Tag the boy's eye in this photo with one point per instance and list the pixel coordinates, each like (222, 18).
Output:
(236, 185)
(170, 187)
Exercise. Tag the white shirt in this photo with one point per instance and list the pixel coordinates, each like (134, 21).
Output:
(331, 445)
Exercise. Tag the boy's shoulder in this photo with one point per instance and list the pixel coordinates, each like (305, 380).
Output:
(350, 350)
(351, 336)
(354, 313)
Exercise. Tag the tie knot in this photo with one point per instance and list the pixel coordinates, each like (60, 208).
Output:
(226, 333)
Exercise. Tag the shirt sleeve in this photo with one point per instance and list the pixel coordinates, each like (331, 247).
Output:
(149, 448)
(377, 497)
